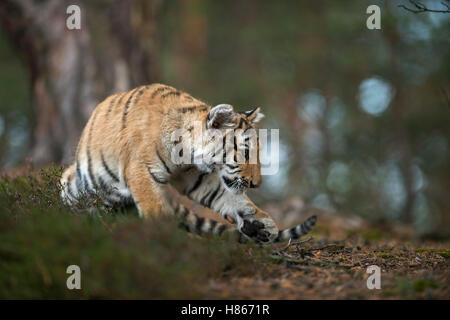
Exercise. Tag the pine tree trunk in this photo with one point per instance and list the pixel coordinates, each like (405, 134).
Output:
(68, 77)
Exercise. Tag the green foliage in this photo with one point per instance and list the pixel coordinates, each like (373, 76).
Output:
(120, 255)
(445, 253)
(373, 234)
(408, 287)
(422, 284)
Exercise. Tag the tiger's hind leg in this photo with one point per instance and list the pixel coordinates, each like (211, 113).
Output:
(69, 185)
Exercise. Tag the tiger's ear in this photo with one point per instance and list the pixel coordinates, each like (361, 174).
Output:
(220, 116)
(254, 115)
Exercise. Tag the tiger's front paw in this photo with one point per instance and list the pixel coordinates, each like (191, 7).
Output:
(263, 230)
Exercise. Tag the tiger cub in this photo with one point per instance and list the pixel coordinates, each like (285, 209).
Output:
(126, 155)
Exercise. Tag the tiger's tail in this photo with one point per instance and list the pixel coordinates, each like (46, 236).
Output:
(297, 231)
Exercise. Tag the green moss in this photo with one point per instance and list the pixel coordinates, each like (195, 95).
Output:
(384, 255)
(422, 284)
(408, 288)
(373, 234)
(445, 253)
(334, 248)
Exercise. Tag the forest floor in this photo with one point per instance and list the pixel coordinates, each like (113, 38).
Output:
(121, 256)
(333, 263)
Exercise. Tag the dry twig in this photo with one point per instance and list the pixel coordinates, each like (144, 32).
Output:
(420, 7)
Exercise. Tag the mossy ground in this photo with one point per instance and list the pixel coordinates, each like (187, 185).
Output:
(122, 256)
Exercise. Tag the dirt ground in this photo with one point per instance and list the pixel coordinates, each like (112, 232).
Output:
(333, 262)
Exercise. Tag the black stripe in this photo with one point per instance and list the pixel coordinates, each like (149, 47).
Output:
(127, 105)
(302, 229)
(113, 100)
(160, 89)
(220, 195)
(197, 183)
(112, 200)
(227, 181)
(83, 183)
(176, 208)
(202, 201)
(102, 184)
(200, 107)
(108, 170)
(164, 164)
(278, 238)
(139, 94)
(88, 150)
(293, 234)
(79, 183)
(199, 223)
(91, 176)
(180, 139)
(86, 185)
(186, 109)
(307, 227)
(225, 151)
(212, 225)
(213, 196)
(115, 192)
(231, 166)
(249, 113)
(241, 121)
(192, 154)
(171, 93)
(312, 220)
(158, 180)
(185, 213)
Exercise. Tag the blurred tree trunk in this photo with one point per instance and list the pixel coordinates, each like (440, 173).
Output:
(399, 106)
(69, 74)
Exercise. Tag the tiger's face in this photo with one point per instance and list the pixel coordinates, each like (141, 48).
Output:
(239, 168)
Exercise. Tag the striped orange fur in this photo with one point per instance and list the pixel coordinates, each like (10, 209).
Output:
(125, 154)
